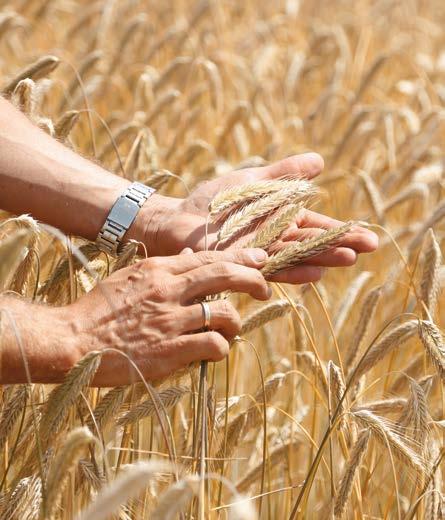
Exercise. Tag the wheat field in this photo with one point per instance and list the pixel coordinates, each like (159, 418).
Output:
(331, 403)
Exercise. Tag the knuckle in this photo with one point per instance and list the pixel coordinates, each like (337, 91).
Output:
(219, 347)
(206, 257)
(223, 269)
(231, 317)
(160, 290)
(152, 263)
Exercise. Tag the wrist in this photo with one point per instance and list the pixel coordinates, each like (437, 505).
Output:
(42, 348)
(148, 222)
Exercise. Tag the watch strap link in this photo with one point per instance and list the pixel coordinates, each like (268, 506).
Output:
(121, 216)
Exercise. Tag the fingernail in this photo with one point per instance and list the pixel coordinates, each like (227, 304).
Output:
(257, 255)
(269, 291)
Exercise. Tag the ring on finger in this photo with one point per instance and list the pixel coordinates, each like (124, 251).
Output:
(206, 314)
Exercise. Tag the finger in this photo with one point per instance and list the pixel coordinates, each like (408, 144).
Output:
(223, 276)
(186, 349)
(183, 263)
(298, 275)
(357, 238)
(186, 251)
(364, 240)
(304, 166)
(223, 318)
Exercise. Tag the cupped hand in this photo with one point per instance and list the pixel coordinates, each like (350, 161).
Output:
(149, 311)
(173, 224)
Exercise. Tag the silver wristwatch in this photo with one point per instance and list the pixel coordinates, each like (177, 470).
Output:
(122, 215)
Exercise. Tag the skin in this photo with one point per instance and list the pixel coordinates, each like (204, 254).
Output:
(142, 311)
(146, 311)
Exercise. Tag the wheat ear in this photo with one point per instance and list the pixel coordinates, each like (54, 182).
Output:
(295, 192)
(39, 69)
(390, 440)
(337, 389)
(107, 408)
(126, 256)
(65, 124)
(24, 96)
(67, 458)
(366, 315)
(392, 405)
(169, 398)
(275, 457)
(349, 299)
(429, 287)
(63, 396)
(416, 414)
(273, 228)
(265, 314)
(176, 498)
(353, 464)
(432, 341)
(12, 410)
(244, 193)
(24, 501)
(298, 252)
(309, 361)
(386, 344)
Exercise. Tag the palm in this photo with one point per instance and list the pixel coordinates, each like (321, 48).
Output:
(185, 221)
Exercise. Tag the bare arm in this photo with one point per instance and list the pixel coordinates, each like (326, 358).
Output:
(41, 176)
(40, 335)
(146, 311)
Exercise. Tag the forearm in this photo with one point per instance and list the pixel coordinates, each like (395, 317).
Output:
(41, 176)
(35, 337)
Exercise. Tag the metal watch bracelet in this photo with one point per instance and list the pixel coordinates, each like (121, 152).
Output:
(121, 216)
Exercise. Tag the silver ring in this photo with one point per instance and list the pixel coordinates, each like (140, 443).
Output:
(205, 314)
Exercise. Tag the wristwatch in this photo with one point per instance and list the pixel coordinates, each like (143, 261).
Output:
(121, 216)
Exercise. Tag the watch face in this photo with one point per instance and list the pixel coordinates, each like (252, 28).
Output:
(124, 212)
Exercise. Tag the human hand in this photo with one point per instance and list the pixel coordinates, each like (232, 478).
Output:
(148, 312)
(171, 224)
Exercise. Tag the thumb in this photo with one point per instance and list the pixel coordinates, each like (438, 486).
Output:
(303, 166)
